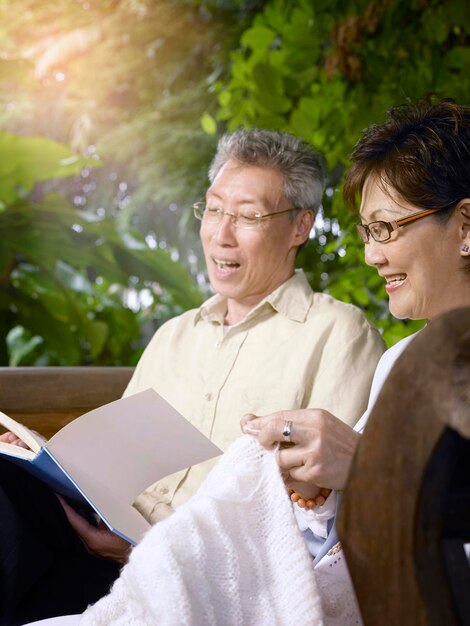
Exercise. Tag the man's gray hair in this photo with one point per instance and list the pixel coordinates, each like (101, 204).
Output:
(302, 167)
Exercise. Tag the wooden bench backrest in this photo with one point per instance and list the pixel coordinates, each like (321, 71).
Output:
(406, 509)
(47, 398)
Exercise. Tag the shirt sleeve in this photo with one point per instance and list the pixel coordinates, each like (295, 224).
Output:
(344, 373)
(315, 524)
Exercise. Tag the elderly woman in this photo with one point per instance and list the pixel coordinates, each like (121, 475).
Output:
(412, 174)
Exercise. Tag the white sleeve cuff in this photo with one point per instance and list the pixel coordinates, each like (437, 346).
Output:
(317, 519)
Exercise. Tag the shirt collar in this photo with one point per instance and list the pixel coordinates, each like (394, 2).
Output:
(292, 299)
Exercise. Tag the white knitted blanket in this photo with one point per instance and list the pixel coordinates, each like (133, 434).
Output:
(233, 555)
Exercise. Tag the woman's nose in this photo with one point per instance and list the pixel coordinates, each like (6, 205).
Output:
(374, 253)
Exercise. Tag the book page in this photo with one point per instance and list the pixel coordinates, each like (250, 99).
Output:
(11, 450)
(114, 452)
(30, 438)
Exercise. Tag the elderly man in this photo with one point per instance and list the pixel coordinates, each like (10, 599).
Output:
(264, 342)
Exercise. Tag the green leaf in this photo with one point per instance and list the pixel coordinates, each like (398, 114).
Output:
(268, 79)
(208, 124)
(434, 28)
(96, 333)
(20, 345)
(26, 160)
(43, 287)
(157, 266)
(258, 38)
(458, 58)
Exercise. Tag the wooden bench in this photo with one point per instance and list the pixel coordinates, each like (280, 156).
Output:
(47, 398)
(405, 514)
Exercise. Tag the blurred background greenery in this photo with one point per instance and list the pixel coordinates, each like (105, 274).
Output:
(110, 111)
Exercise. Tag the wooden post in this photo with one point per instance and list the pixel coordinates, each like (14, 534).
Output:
(406, 509)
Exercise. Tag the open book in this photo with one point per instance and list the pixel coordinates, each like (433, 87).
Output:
(108, 456)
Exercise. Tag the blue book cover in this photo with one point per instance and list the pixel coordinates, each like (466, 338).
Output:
(46, 468)
(109, 456)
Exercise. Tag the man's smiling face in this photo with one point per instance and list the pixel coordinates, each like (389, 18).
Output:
(246, 265)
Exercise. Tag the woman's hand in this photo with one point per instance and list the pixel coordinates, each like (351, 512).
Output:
(98, 540)
(9, 437)
(323, 451)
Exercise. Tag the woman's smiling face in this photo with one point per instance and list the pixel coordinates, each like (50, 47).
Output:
(421, 262)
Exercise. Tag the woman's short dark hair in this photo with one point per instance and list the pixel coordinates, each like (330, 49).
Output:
(422, 151)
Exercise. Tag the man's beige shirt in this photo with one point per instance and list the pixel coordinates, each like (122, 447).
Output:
(295, 349)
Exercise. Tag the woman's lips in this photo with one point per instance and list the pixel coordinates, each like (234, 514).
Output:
(394, 282)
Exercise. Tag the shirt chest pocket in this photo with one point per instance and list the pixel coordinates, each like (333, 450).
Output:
(264, 400)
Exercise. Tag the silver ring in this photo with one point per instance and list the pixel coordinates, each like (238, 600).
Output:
(286, 431)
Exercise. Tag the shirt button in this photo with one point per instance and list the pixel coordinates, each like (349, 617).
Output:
(163, 490)
(218, 344)
(208, 396)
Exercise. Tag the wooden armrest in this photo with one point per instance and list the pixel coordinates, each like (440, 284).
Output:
(47, 398)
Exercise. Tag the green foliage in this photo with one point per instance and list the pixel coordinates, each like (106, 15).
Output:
(25, 161)
(148, 85)
(66, 277)
(125, 80)
(325, 70)
(131, 81)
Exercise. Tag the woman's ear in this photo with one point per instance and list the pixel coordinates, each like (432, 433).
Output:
(464, 227)
(304, 224)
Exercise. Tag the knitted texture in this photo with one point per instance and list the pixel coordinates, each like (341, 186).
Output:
(232, 555)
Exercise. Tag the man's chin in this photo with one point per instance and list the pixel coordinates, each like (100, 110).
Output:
(226, 285)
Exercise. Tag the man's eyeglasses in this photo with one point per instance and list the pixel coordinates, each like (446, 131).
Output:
(382, 231)
(215, 216)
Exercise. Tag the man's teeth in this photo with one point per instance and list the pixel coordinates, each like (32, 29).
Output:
(223, 264)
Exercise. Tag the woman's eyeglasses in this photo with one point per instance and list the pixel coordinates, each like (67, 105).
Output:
(382, 231)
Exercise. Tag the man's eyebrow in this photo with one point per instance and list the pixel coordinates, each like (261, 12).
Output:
(246, 201)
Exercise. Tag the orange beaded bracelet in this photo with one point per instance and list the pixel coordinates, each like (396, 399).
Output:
(309, 503)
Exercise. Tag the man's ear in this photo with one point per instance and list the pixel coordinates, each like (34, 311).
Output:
(304, 224)
(464, 226)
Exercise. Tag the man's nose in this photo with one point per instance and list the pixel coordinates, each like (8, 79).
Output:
(226, 231)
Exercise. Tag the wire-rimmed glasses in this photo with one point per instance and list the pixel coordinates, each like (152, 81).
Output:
(214, 215)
